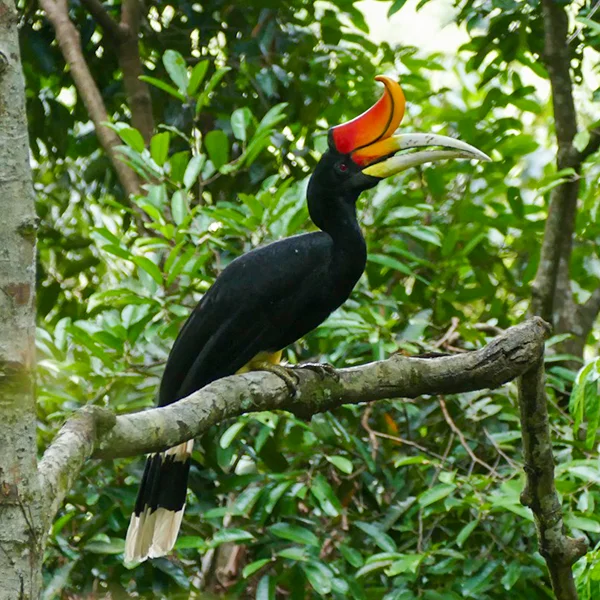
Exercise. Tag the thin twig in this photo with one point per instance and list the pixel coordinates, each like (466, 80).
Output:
(462, 439)
(453, 326)
(364, 421)
(499, 450)
(400, 440)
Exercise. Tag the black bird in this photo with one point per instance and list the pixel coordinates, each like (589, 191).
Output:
(270, 297)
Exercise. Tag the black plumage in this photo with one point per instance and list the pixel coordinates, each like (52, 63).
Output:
(261, 302)
(270, 297)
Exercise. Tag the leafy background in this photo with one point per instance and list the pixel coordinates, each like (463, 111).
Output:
(398, 500)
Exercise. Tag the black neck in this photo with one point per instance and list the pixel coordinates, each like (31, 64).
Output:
(336, 216)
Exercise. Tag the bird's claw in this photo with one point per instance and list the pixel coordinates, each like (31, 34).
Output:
(286, 374)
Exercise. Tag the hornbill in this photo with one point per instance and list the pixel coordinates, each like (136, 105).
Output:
(270, 297)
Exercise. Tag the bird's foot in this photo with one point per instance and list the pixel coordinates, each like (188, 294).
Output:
(286, 374)
(321, 369)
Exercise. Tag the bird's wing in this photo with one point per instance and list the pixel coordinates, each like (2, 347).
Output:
(241, 314)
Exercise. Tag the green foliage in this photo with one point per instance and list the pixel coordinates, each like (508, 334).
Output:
(366, 502)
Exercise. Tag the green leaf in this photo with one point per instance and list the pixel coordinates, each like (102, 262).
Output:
(324, 493)
(132, 137)
(512, 575)
(409, 562)
(226, 536)
(294, 553)
(343, 464)
(425, 233)
(210, 86)
(108, 546)
(179, 206)
(176, 68)
(191, 541)
(583, 523)
(435, 494)
(319, 576)
(178, 165)
(159, 147)
(246, 500)
(217, 146)
(241, 118)
(179, 265)
(197, 77)
(231, 433)
(391, 263)
(370, 567)
(294, 533)
(395, 7)
(515, 201)
(273, 117)
(576, 401)
(149, 267)
(353, 556)
(591, 400)
(60, 578)
(264, 589)
(252, 567)
(465, 532)
(382, 539)
(165, 87)
(193, 170)
(595, 27)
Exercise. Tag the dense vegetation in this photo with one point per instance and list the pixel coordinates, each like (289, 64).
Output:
(395, 500)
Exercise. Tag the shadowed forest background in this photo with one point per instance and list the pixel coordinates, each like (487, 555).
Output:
(147, 187)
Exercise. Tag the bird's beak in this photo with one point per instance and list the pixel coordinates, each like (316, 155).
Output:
(369, 141)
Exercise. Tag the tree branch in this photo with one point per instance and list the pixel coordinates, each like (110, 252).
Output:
(125, 37)
(559, 551)
(502, 360)
(138, 93)
(560, 223)
(101, 16)
(60, 466)
(592, 146)
(69, 42)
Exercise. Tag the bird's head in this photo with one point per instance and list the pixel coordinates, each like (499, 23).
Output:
(363, 151)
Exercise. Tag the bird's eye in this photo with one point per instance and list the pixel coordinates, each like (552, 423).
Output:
(343, 167)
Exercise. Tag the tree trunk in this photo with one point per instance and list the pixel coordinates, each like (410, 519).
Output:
(20, 501)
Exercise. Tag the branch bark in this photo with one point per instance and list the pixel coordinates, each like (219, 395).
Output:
(560, 223)
(502, 360)
(138, 93)
(125, 36)
(559, 551)
(69, 42)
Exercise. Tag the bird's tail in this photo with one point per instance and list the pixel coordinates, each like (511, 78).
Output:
(160, 503)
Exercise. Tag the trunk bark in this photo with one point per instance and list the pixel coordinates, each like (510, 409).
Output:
(21, 532)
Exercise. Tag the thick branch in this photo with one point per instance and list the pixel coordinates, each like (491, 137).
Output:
(563, 199)
(101, 16)
(559, 551)
(60, 466)
(124, 36)
(502, 360)
(68, 40)
(138, 93)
